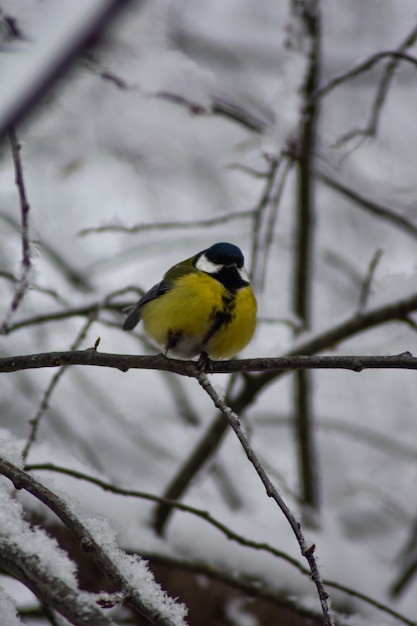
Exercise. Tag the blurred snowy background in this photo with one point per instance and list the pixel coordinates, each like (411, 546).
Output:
(126, 139)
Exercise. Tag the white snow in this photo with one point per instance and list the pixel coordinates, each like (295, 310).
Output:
(8, 613)
(95, 154)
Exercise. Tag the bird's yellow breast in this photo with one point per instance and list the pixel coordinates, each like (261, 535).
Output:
(198, 314)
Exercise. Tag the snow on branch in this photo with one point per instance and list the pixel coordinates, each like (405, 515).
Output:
(35, 559)
(127, 573)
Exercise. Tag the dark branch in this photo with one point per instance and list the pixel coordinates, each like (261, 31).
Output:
(23, 283)
(58, 64)
(22, 480)
(51, 590)
(268, 365)
(177, 225)
(219, 106)
(226, 530)
(371, 206)
(307, 550)
(213, 437)
(360, 68)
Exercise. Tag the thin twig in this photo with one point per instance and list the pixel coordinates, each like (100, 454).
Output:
(74, 276)
(258, 219)
(81, 311)
(212, 438)
(371, 128)
(35, 420)
(54, 68)
(177, 225)
(23, 283)
(362, 202)
(306, 550)
(183, 477)
(44, 290)
(271, 222)
(207, 517)
(360, 68)
(202, 514)
(367, 282)
(251, 587)
(92, 317)
(219, 106)
(359, 434)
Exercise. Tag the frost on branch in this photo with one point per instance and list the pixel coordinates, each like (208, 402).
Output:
(34, 558)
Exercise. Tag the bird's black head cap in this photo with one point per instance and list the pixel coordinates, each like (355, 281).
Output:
(225, 254)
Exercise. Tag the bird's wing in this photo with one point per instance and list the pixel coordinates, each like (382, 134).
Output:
(167, 283)
(133, 312)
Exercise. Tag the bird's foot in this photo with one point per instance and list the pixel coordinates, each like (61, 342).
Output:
(204, 363)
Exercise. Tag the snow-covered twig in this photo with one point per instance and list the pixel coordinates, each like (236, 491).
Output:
(120, 568)
(231, 534)
(77, 607)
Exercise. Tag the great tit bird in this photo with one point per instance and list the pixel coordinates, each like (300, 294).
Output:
(203, 306)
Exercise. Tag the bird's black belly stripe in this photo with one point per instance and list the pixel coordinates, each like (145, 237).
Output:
(174, 338)
(222, 317)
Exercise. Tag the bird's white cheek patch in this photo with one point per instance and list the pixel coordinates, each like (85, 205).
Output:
(204, 265)
(243, 274)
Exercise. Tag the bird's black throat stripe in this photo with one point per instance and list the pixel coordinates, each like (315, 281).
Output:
(230, 278)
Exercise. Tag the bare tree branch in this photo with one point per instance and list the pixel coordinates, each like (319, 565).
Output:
(257, 590)
(248, 586)
(23, 283)
(226, 530)
(307, 551)
(78, 608)
(44, 77)
(371, 128)
(215, 433)
(258, 219)
(270, 367)
(132, 596)
(360, 68)
(205, 515)
(309, 14)
(367, 282)
(272, 218)
(35, 420)
(219, 106)
(370, 206)
(177, 225)
(74, 276)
